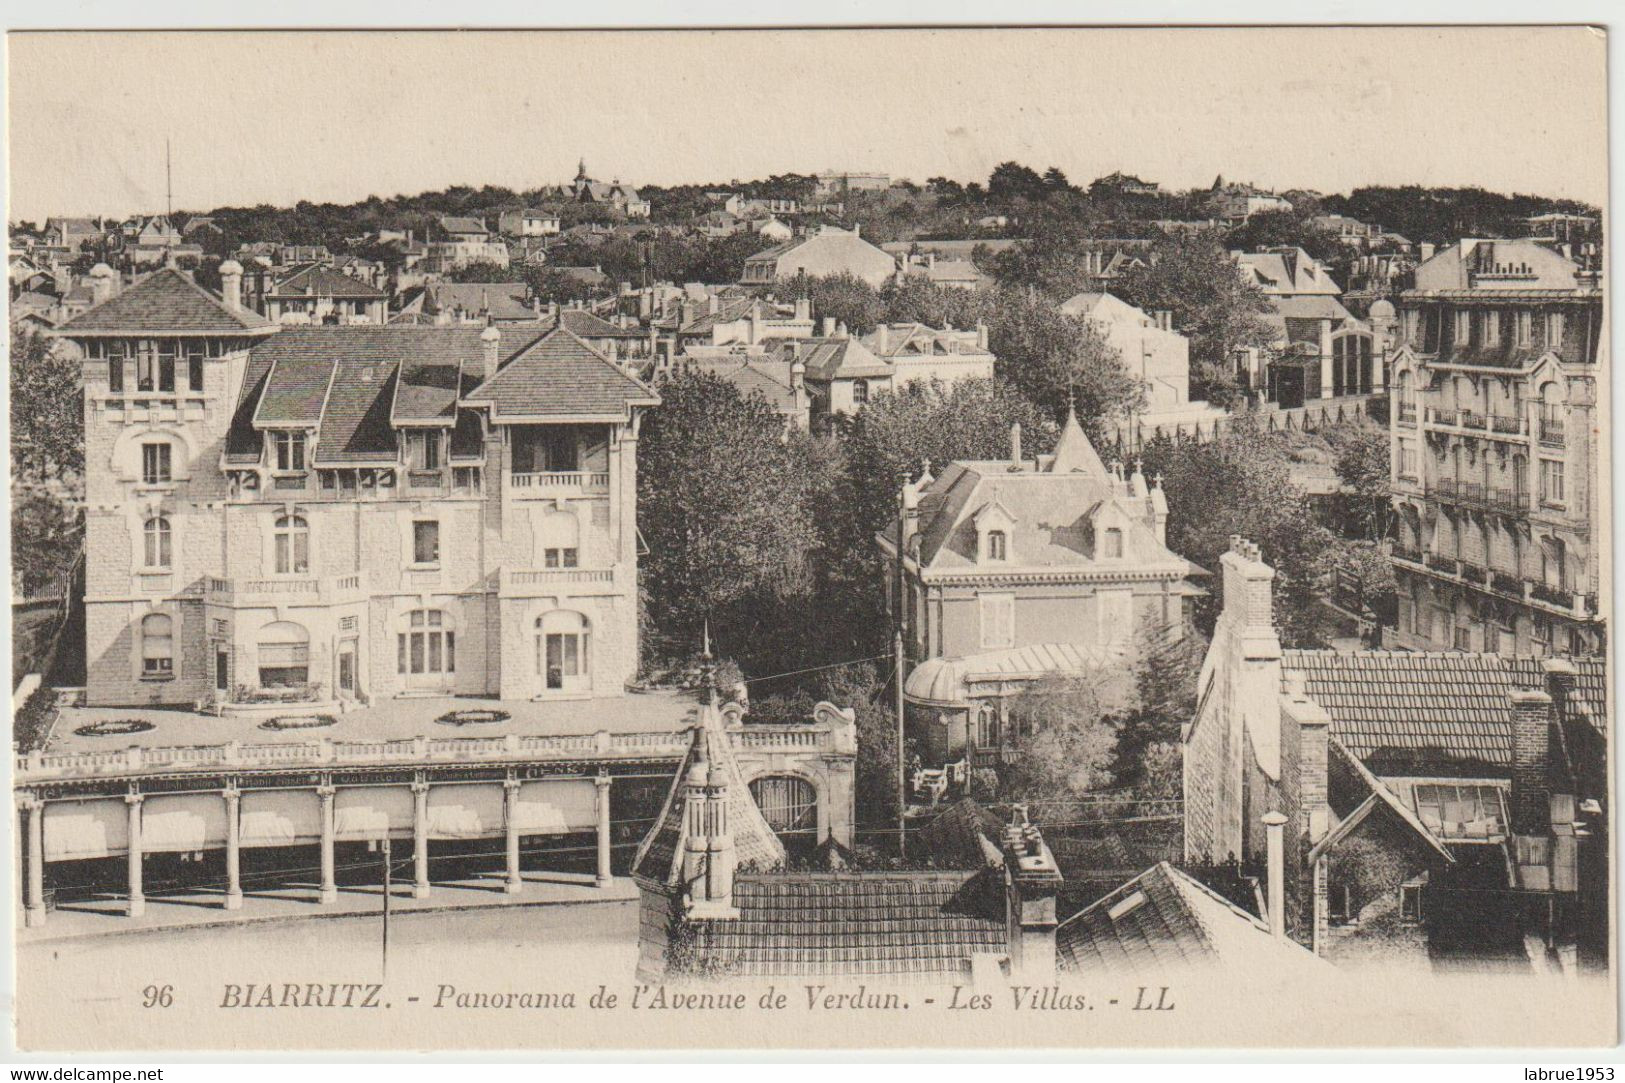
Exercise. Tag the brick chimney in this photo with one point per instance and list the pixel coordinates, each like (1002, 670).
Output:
(803, 309)
(1531, 761)
(1033, 880)
(829, 327)
(1015, 446)
(1248, 583)
(882, 339)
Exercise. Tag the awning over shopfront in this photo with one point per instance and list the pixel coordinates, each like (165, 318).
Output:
(954, 682)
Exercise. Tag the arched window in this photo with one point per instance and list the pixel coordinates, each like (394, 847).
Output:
(987, 726)
(292, 545)
(157, 537)
(157, 645)
(562, 643)
(428, 646)
(284, 655)
(788, 804)
(995, 545)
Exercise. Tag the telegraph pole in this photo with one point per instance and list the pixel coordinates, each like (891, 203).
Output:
(898, 598)
(169, 185)
(388, 880)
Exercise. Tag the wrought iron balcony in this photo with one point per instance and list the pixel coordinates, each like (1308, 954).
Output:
(1552, 432)
(1540, 592)
(1441, 563)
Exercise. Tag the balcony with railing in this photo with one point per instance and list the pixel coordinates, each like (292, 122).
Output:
(1405, 553)
(1556, 596)
(558, 482)
(1441, 563)
(532, 582)
(1406, 414)
(283, 589)
(1552, 432)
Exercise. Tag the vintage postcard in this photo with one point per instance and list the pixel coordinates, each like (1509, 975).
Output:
(1013, 539)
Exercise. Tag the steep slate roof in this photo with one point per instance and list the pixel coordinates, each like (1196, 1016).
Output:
(1446, 705)
(323, 282)
(461, 224)
(924, 925)
(1165, 919)
(561, 376)
(164, 302)
(1295, 271)
(341, 381)
(502, 300)
(1052, 513)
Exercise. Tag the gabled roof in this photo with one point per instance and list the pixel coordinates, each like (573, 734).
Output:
(828, 359)
(1380, 796)
(323, 282)
(583, 324)
(165, 302)
(459, 224)
(559, 377)
(1429, 706)
(1165, 919)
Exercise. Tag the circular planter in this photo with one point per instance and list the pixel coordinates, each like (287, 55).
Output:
(114, 727)
(476, 716)
(298, 722)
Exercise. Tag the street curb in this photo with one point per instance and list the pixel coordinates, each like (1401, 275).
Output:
(278, 919)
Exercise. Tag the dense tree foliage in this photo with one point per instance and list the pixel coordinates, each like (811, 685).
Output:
(722, 504)
(47, 413)
(1196, 280)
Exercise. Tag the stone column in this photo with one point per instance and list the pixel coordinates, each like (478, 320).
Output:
(138, 900)
(330, 889)
(420, 840)
(602, 782)
(34, 809)
(510, 815)
(234, 847)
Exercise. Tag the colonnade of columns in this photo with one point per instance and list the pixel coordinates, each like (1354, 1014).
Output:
(33, 838)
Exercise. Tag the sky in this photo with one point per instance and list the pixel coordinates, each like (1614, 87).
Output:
(281, 116)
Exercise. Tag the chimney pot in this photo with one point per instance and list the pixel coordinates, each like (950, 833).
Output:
(1275, 829)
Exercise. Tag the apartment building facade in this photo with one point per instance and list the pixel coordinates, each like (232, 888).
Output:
(343, 514)
(1495, 452)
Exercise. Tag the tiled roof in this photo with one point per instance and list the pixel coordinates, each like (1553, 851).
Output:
(322, 282)
(836, 359)
(583, 324)
(501, 300)
(1165, 919)
(462, 224)
(958, 836)
(908, 924)
(295, 388)
(164, 302)
(561, 376)
(1428, 707)
(426, 392)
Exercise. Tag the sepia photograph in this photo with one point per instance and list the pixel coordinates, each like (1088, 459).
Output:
(937, 538)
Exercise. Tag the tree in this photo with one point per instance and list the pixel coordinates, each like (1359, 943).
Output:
(1058, 360)
(1012, 181)
(1165, 698)
(918, 300)
(483, 271)
(1212, 304)
(47, 410)
(721, 505)
(1067, 741)
(1056, 262)
(45, 538)
(1241, 483)
(1055, 181)
(1276, 229)
(843, 297)
(1362, 450)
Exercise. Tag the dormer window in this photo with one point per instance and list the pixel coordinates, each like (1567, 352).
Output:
(288, 451)
(996, 545)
